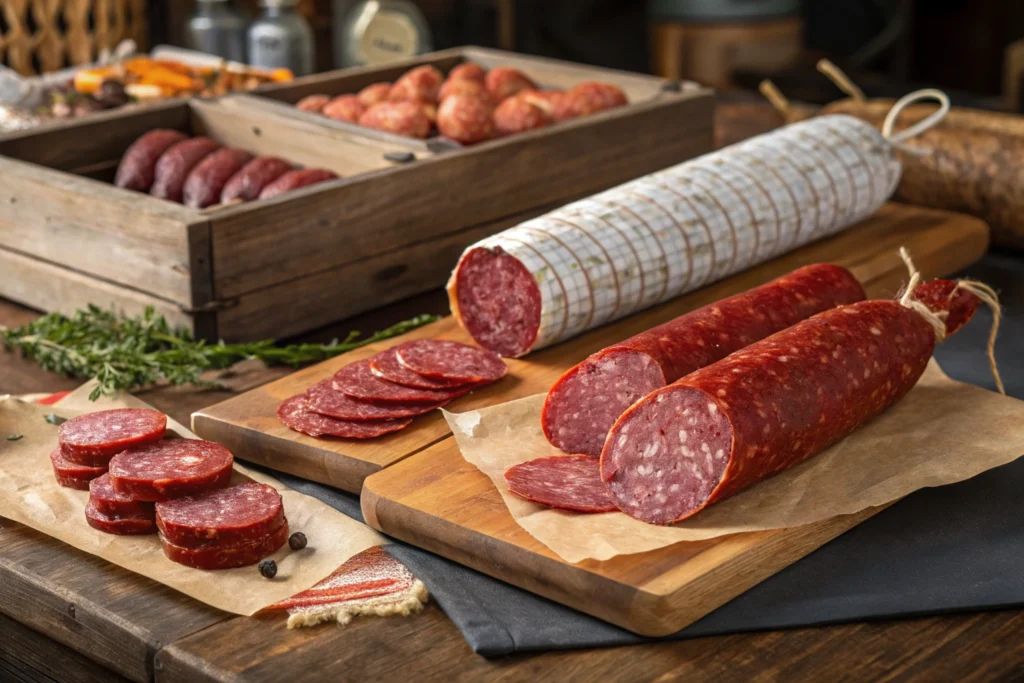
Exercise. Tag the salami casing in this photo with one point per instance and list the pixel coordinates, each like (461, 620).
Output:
(215, 556)
(171, 469)
(568, 482)
(92, 439)
(771, 405)
(585, 402)
(235, 515)
(652, 239)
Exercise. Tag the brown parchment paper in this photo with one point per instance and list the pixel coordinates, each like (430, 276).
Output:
(942, 432)
(30, 495)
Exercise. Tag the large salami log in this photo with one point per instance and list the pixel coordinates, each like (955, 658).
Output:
(585, 402)
(773, 404)
(652, 239)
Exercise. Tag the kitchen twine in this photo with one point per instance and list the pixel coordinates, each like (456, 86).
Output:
(938, 320)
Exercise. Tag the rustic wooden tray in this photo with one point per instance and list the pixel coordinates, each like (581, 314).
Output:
(279, 267)
(941, 242)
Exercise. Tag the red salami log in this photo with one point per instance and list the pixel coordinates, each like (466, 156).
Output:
(135, 172)
(109, 502)
(296, 414)
(449, 360)
(94, 438)
(357, 381)
(236, 515)
(772, 405)
(72, 475)
(387, 366)
(214, 556)
(324, 400)
(171, 469)
(121, 526)
(585, 402)
(568, 482)
(253, 177)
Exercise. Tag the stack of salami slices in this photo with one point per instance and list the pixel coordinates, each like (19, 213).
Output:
(381, 394)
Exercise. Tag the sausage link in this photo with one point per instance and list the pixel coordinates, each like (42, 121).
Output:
(250, 180)
(293, 180)
(205, 182)
(174, 166)
(135, 172)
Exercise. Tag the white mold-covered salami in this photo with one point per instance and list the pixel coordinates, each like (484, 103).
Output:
(654, 238)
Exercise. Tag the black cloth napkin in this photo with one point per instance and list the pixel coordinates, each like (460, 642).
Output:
(949, 549)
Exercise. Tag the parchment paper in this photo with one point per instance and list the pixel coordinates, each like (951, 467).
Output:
(942, 432)
(30, 495)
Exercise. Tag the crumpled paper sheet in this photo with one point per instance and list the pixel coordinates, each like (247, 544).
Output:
(942, 432)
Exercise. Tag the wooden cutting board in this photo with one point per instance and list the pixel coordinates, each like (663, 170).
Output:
(940, 242)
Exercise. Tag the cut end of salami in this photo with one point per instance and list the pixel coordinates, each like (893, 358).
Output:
(496, 299)
(238, 514)
(944, 298)
(569, 482)
(296, 414)
(170, 469)
(92, 439)
(453, 361)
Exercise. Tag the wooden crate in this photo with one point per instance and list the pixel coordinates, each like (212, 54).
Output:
(283, 266)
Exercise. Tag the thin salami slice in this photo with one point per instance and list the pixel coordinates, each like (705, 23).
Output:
(450, 360)
(323, 399)
(226, 557)
(121, 526)
(295, 414)
(567, 482)
(72, 475)
(109, 502)
(171, 469)
(387, 366)
(94, 438)
(232, 516)
(356, 380)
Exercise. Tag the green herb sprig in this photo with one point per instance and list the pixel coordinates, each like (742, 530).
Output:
(126, 353)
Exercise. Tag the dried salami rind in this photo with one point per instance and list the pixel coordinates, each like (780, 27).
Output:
(387, 366)
(567, 482)
(92, 439)
(296, 414)
(120, 526)
(215, 556)
(171, 469)
(357, 381)
(231, 516)
(109, 502)
(451, 360)
(324, 400)
(71, 474)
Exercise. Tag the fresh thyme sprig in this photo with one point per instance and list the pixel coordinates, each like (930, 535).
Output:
(127, 353)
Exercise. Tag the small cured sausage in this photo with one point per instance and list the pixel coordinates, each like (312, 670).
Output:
(296, 414)
(357, 381)
(402, 118)
(374, 93)
(464, 87)
(72, 475)
(250, 180)
(344, 108)
(313, 103)
(135, 172)
(468, 71)
(520, 113)
(293, 180)
(453, 361)
(93, 439)
(465, 119)
(567, 482)
(417, 85)
(585, 402)
(551, 101)
(109, 502)
(121, 526)
(771, 405)
(231, 516)
(589, 98)
(176, 163)
(171, 469)
(505, 82)
(215, 556)
(206, 181)
(387, 366)
(324, 400)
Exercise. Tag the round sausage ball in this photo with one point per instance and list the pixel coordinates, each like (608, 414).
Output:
(519, 113)
(468, 71)
(401, 118)
(344, 108)
(420, 84)
(464, 86)
(504, 82)
(374, 93)
(313, 103)
(465, 119)
(589, 98)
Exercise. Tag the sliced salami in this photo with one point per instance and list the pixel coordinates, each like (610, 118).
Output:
(387, 366)
(226, 557)
(295, 414)
(121, 526)
(109, 502)
(323, 399)
(72, 475)
(171, 469)
(235, 515)
(356, 380)
(94, 438)
(567, 482)
(450, 360)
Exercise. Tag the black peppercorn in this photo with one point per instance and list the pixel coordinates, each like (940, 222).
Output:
(268, 568)
(297, 541)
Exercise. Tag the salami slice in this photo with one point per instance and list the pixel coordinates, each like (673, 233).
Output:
(356, 380)
(568, 482)
(771, 405)
(232, 516)
(295, 414)
(585, 402)
(323, 399)
(121, 526)
(171, 469)
(72, 475)
(93, 439)
(387, 366)
(450, 360)
(109, 502)
(226, 557)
